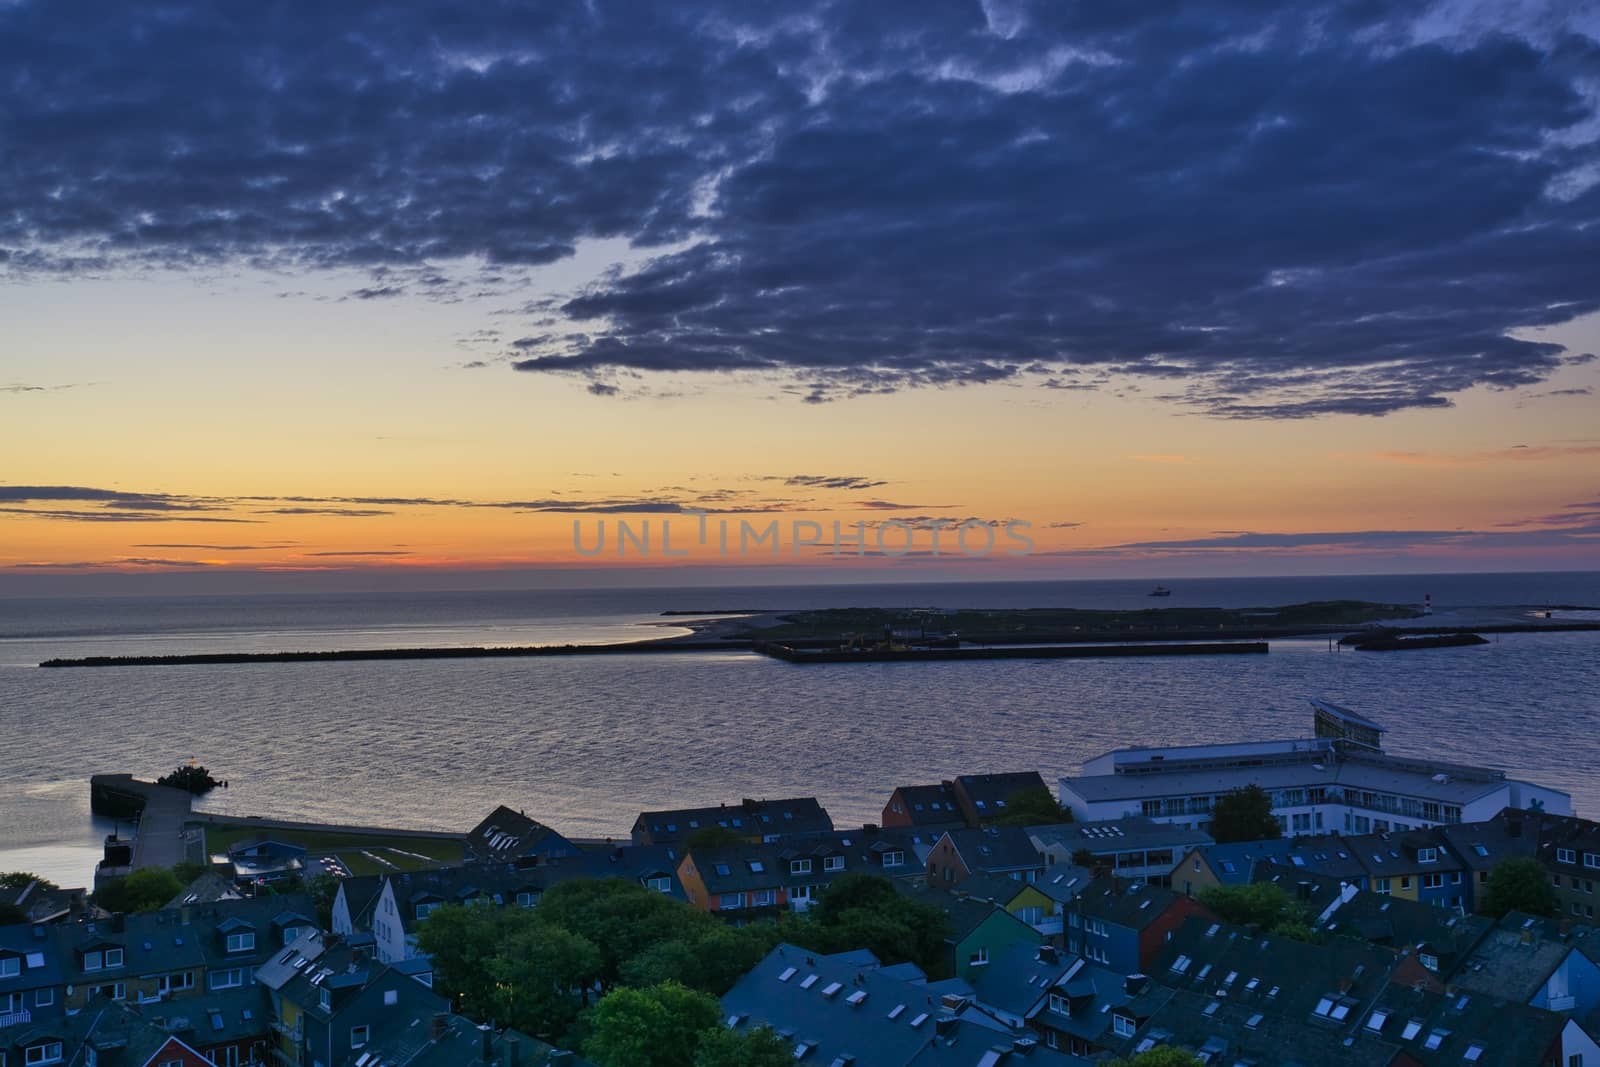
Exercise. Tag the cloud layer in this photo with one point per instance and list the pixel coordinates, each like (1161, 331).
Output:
(1268, 210)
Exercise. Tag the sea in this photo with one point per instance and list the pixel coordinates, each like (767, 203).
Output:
(585, 743)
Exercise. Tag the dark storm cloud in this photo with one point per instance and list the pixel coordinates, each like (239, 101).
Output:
(1288, 210)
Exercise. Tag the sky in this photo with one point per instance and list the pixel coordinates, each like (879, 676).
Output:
(386, 293)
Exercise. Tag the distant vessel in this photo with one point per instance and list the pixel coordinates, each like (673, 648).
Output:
(1159, 590)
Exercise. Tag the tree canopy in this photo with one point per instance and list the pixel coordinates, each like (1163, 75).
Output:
(761, 1047)
(23, 879)
(660, 1026)
(712, 837)
(1263, 904)
(1244, 814)
(1033, 806)
(147, 889)
(1165, 1056)
(866, 911)
(1519, 884)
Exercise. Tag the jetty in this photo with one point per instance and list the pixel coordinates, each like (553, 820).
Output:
(159, 814)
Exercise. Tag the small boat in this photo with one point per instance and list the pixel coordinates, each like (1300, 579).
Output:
(1159, 590)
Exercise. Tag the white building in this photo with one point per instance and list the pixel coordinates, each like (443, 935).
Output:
(1339, 780)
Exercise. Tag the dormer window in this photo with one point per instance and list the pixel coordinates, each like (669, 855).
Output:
(894, 859)
(1427, 855)
(833, 863)
(48, 1052)
(800, 866)
(10, 966)
(425, 910)
(240, 942)
(325, 999)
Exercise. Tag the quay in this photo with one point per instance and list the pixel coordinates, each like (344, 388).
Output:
(159, 814)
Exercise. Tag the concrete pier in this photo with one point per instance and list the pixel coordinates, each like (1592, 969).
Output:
(158, 811)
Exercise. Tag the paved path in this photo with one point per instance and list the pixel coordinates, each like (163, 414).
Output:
(158, 841)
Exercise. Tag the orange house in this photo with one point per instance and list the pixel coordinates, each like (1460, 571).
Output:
(735, 882)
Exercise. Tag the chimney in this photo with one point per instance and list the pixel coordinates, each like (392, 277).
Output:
(1133, 984)
(183, 915)
(513, 1051)
(1047, 954)
(439, 1026)
(945, 1026)
(486, 1039)
(119, 923)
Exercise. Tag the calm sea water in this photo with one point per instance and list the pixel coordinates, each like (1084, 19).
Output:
(585, 743)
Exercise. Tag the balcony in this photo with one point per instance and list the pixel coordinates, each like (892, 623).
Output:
(15, 1018)
(285, 1030)
(1049, 926)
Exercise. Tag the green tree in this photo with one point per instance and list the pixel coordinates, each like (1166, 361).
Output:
(866, 911)
(1083, 857)
(656, 1027)
(323, 889)
(712, 837)
(1519, 884)
(188, 872)
(721, 1047)
(461, 942)
(620, 918)
(147, 889)
(23, 879)
(1263, 904)
(1244, 814)
(1165, 1056)
(711, 959)
(540, 977)
(1033, 806)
